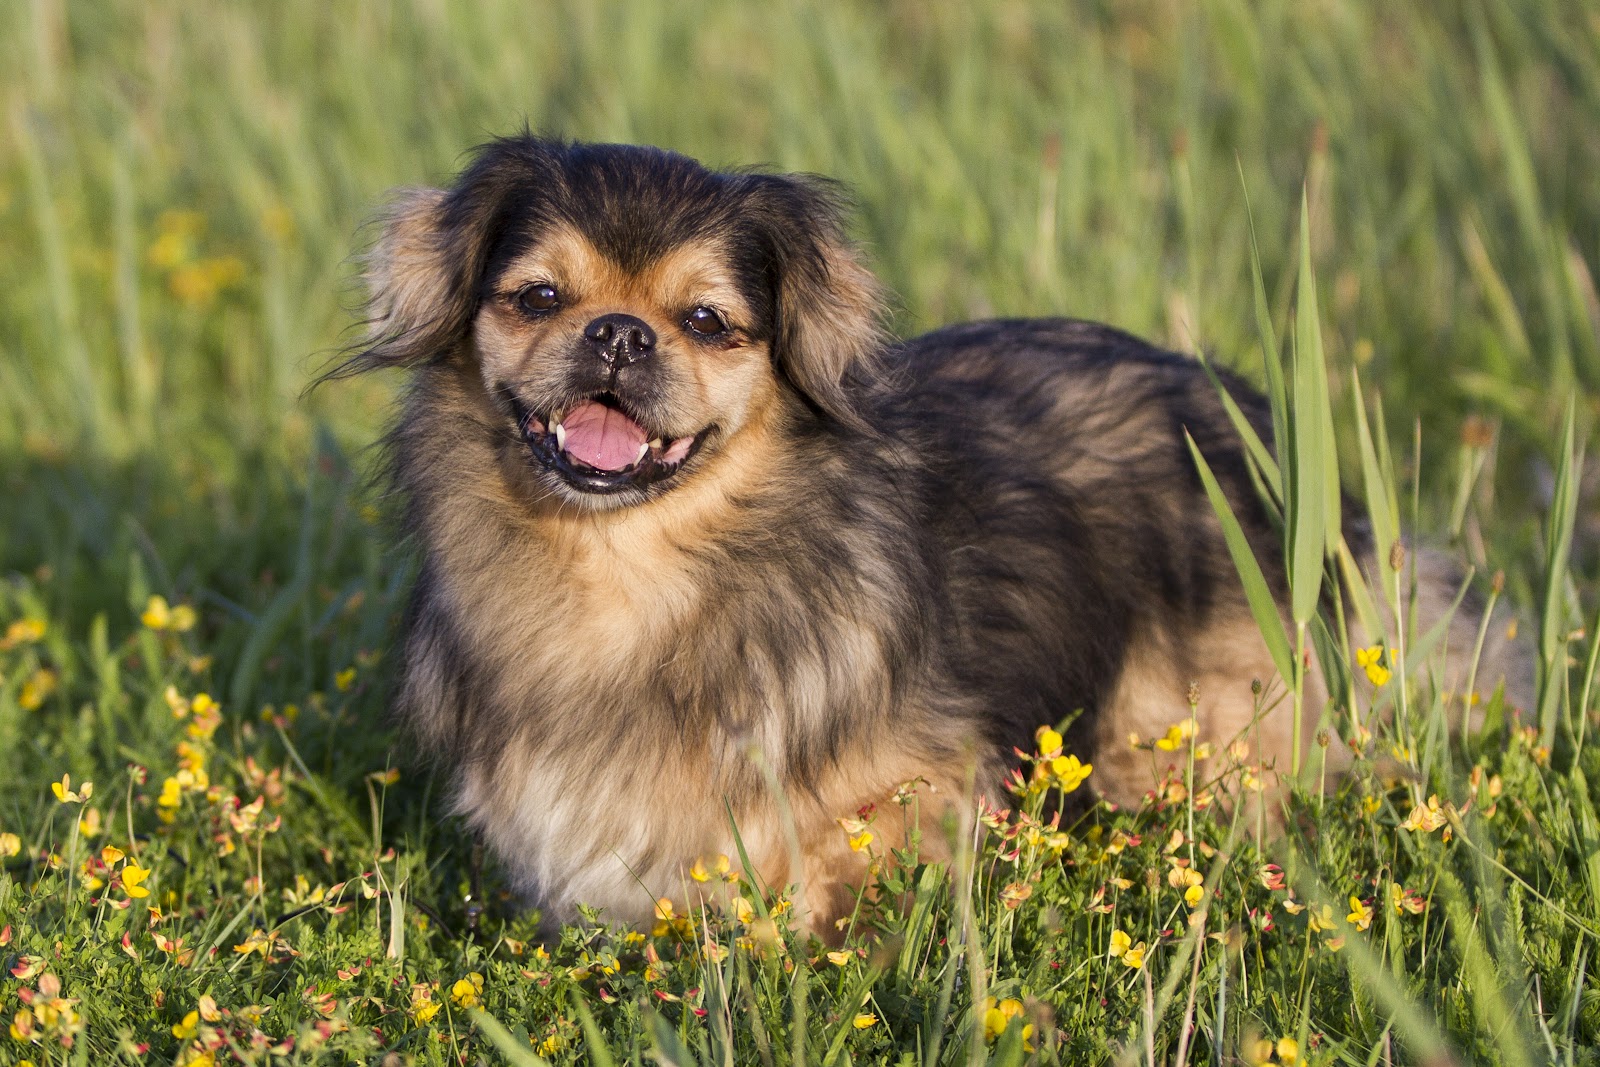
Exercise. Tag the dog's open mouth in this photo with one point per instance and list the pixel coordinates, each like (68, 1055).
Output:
(597, 447)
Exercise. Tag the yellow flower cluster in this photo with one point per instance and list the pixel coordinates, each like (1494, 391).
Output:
(1425, 818)
(1372, 660)
(46, 1015)
(1191, 881)
(423, 1006)
(193, 279)
(22, 632)
(1285, 1049)
(1177, 735)
(65, 794)
(36, 689)
(997, 1016)
(1123, 948)
(1052, 768)
(861, 838)
(468, 991)
(703, 870)
(159, 615)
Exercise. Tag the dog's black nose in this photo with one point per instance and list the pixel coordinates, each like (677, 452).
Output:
(620, 339)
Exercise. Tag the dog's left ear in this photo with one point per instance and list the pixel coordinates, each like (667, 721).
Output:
(830, 307)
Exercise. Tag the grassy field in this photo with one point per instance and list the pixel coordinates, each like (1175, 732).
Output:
(262, 873)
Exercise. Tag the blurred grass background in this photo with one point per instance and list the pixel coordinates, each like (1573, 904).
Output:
(182, 186)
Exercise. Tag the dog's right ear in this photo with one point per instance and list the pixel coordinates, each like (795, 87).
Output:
(424, 272)
(412, 305)
(419, 282)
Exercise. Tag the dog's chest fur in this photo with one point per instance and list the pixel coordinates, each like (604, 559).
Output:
(616, 690)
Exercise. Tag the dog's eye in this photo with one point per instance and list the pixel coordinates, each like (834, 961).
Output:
(539, 298)
(705, 322)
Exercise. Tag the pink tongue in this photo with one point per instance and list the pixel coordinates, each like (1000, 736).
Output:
(602, 437)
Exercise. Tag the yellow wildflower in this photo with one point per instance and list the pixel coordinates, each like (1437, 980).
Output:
(997, 1015)
(37, 689)
(65, 794)
(1014, 894)
(198, 283)
(1049, 741)
(1425, 818)
(1184, 877)
(22, 632)
(839, 959)
(1371, 661)
(1069, 773)
(133, 877)
(1124, 949)
(667, 920)
(10, 845)
(1175, 736)
(344, 679)
(1288, 1051)
(89, 822)
(1405, 901)
(864, 1020)
(861, 841)
(1194, 895)
(184, 1030)
(111, 855)
(1360, 914)
(423, 1006)
(157, 615)
(468, 992)
(258, 941)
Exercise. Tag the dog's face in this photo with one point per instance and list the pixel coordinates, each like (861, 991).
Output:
(629, 313)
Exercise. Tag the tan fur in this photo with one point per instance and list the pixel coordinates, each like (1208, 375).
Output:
(402, 272)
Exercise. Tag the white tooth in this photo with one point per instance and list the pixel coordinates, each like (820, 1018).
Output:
(656, 444)
(561, 437)
(644, 450)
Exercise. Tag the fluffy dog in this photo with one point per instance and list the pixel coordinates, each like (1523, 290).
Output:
(692, 527)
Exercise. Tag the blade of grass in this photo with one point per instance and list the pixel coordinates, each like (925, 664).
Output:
(515, 1052)
(1263, 605)
(1553, 602)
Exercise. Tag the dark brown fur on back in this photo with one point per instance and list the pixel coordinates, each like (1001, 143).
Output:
(882, 562)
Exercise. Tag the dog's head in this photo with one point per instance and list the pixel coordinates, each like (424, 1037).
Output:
(629, 311)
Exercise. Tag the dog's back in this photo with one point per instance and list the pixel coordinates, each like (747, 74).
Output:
(1087, 564)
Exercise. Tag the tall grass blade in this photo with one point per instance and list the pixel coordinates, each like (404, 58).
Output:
(1553, 594)
(594, 1039)
(1263, 605)
(1271, 352)
(1312, 500)
(515, 1052)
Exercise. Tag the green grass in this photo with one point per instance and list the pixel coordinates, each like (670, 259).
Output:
(181, 186)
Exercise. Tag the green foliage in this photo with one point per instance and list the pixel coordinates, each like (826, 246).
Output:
(181, 188)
